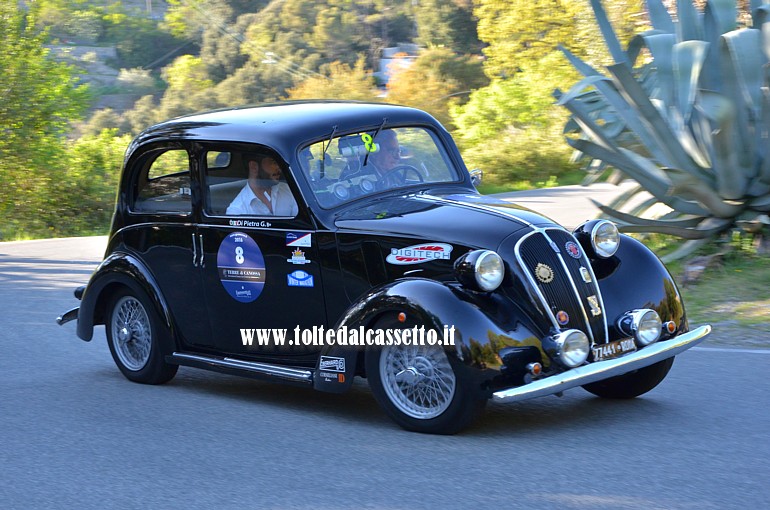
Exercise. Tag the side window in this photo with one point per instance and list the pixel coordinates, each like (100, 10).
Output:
(164, 186)
(247, 184)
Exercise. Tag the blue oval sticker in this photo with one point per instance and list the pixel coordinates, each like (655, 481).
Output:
(241, 267)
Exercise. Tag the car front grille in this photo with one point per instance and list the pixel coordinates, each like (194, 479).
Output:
(569, 294)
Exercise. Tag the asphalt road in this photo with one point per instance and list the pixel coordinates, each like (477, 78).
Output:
(75, 434)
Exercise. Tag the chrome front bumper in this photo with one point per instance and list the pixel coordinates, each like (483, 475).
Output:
(604, 369)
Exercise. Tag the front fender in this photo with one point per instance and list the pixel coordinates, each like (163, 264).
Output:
(483, 324)
(635, 278)
(117, 270)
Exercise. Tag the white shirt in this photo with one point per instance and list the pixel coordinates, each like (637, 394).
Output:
(279, 196)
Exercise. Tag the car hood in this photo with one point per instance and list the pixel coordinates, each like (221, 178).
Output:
(466, 218)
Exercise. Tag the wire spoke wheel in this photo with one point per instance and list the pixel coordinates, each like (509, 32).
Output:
(418, 380)
(131, 333)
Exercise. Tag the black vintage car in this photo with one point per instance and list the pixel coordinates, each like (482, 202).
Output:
(311, 243)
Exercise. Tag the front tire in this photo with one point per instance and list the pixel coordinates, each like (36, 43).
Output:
(138, 340)
(632, 384)
(418, 388)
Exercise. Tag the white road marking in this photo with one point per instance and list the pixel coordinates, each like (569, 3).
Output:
(727, 349)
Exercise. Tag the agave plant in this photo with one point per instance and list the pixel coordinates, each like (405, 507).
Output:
(689, 120)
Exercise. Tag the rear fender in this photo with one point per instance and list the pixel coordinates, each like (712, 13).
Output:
(117, 271)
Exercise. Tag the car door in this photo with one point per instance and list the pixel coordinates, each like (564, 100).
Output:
(161, 231)
(261, 273)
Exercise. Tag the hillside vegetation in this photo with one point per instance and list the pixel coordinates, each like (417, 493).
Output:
(486, 69)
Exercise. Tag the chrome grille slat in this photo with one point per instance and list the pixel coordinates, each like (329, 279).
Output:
(567, 292)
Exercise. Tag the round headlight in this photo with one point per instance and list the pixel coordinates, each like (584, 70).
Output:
(644, 325)
(573, 347)
(489, 270)
(482, 270)
(605, 239)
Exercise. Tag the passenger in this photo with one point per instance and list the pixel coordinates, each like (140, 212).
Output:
(265, 194)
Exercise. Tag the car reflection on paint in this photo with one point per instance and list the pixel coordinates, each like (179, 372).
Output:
(390, 241)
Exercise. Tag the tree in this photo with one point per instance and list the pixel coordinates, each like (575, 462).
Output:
(447, 23)
(337, 34)
(342, 82)
(143, 115)
(189, 88)
(190, 19)
(521, 32)
(517, 111)
(138, 40)
(40, 97)
(436, 80)
(91, 178)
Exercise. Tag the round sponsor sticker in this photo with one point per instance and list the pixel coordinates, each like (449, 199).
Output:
(241, 267)
(573, 250)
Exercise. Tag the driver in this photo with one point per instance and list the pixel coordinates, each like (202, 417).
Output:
(378, 164)
(389, 155)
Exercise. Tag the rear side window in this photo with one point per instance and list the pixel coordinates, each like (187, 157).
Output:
(164, 185)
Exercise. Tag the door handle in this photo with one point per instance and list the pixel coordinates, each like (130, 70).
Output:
(203, 252)
(195, 251)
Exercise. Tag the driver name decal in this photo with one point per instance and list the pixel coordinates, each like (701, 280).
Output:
(419, 253)
(241, 267)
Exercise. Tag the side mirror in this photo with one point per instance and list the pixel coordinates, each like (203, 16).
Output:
(476, 176)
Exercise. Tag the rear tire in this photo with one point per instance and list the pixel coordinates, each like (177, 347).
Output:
(632, 384)
(138, 340)
(418, 388)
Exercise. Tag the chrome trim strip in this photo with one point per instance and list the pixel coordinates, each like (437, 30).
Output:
(595, 284)
(531, 280)
(604, 369)
(252, 366)
(203, 251)
(598, 291)
(480, 207)
(575, 290)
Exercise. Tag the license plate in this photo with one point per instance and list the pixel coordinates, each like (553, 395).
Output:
(613, 349)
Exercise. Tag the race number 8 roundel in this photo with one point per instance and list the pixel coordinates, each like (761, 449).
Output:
(241, 267)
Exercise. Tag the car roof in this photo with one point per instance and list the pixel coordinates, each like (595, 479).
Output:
(283, 126)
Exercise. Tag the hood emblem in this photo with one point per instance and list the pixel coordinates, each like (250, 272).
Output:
(544, 273)
(562, 317)
(572, 249)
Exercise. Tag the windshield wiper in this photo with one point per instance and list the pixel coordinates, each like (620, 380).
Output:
(322, 171)
(384, 120)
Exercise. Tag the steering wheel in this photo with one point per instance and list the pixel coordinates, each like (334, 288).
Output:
(397, 175)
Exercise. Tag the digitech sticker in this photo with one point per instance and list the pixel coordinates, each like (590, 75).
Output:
(241, 267)
(419, 253)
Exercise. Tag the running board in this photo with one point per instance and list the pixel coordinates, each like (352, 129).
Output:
(242, 367)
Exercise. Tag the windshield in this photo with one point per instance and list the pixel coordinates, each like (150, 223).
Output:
(345, 167)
